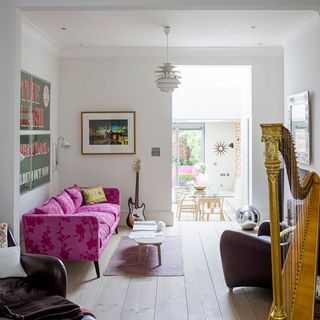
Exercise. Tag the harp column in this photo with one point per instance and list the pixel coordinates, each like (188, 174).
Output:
(271, 136)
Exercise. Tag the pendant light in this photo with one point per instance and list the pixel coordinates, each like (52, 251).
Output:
(167, 80)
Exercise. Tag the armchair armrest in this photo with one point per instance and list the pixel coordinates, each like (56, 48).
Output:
(45, 272)
(264, 228)
(113, 195)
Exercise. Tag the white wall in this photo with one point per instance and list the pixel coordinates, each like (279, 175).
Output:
(302, 73)
(9, 108)
(212, 92)
(128, 84)
(216, 132)
(39, 57)
(267, 107)
(99, 84)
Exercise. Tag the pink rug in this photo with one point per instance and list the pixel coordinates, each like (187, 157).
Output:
(125, 259)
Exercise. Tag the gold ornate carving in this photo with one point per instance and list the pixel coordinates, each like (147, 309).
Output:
(271, 136)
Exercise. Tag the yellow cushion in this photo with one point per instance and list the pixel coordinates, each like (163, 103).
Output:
(94, 195)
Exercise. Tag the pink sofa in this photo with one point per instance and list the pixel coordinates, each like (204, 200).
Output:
(68, 229)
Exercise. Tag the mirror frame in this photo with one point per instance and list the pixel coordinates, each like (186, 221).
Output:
(301, 99)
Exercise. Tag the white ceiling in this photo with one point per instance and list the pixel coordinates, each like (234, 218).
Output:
(189, 28)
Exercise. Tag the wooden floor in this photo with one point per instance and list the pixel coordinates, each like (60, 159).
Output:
(201, 294)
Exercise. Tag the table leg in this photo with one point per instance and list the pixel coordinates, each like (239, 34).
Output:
(139, 252)
(198, 211)
(159, 253)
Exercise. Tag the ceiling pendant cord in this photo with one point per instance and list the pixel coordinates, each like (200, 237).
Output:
(167, 34)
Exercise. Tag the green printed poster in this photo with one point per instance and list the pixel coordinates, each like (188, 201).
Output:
(40, 160)
(25, 102)
(25, 164)
(34, 102)
(35, 165)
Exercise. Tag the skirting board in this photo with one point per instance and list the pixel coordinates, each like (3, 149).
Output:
(166, 216)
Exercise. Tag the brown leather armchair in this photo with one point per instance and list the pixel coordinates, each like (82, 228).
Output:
(246, 259)
(45, 284)
(45, 272)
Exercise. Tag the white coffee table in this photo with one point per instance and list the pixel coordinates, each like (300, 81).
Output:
(152, 241)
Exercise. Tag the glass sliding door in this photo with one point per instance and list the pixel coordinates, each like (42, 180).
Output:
(187, 151)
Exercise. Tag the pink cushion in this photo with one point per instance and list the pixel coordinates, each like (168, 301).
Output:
(65, 202)
(49, 207)
(105, 218)
(101, 207)
(76, 195)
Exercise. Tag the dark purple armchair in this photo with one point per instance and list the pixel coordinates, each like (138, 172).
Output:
(246, 258)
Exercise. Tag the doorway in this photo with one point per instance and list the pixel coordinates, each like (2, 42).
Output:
(188, 150)
(211, 129)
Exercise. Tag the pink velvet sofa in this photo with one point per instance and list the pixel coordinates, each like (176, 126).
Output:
(66, 228)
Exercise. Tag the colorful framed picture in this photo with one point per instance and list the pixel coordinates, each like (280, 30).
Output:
(108, 132)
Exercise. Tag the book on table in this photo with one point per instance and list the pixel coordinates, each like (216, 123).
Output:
(145, 234)
(149, 225)
(144, 227)
(147, 229)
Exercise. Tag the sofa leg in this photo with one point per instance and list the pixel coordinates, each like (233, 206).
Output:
(96, 265)
(116, 230)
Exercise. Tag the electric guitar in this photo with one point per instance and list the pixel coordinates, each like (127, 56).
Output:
(136, 212)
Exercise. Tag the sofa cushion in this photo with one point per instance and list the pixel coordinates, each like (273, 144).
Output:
(49, 207)
(101, 207)
(105, 218)
(65, 202)
(76, 195)
(94, 195)
(106, 221)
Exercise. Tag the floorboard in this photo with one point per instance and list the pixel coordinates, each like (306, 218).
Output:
(171, 299)
(210, 242)
(110, 299)
(140, 299)
(201, 294)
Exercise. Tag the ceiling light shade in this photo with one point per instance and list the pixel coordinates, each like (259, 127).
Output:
(167, 79)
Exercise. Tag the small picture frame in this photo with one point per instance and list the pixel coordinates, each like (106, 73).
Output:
(108, 132)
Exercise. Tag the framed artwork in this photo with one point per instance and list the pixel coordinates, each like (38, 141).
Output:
(35, 161)
(108, 132)
(34, 102)
(299, 125)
